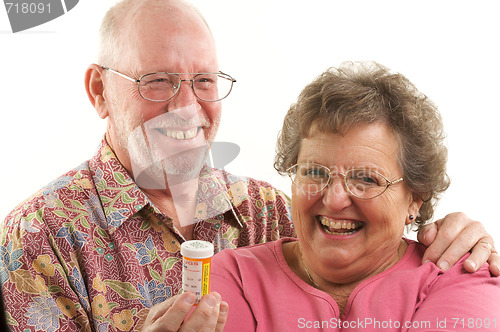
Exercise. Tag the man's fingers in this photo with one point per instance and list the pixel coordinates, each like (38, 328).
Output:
(456, 235)
(494, 262)
(463, 242)
(483, 252)
(479, 255)
(157, 311)
(442, 240)
(173, 314)
(223, 312)
(205, 316)
(170, 318)
(427, 234)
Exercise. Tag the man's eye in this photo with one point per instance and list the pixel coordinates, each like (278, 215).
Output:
(157, 81)
(205, 80)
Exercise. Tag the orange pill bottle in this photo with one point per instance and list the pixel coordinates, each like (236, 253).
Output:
(196, 259)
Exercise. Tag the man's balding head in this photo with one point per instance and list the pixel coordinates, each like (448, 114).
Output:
(132, 13)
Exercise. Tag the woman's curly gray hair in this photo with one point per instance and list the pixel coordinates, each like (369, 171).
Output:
(365, 92)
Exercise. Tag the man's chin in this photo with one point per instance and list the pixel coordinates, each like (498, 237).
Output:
(173, 170)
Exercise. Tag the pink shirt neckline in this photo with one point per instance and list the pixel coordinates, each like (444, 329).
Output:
(280, 257)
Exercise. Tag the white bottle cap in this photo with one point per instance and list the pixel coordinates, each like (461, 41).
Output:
(197, 249)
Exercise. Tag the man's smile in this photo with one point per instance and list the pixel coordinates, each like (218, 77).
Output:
(180, 134)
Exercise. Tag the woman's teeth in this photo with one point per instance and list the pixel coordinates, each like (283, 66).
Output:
(179, 134)
(337, 227)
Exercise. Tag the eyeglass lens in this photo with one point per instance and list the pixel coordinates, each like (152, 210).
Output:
(163, 86)
(362, 183)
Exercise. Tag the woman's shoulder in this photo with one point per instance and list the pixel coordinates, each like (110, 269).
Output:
(413, 258)
(452, 284)
(254, 263)
(262, 252)
(256, 267)
(421, 280)
(455, 294)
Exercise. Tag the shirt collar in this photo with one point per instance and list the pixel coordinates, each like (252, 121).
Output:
(121, 198)
(214, 194)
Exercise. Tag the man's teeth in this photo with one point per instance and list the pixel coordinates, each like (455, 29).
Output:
(339, 227)
(180, 134)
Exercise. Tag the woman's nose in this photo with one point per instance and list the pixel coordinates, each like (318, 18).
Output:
(335, 195)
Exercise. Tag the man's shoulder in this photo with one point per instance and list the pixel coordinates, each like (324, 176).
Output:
(71, 185)
(231, 179)
(242, 187)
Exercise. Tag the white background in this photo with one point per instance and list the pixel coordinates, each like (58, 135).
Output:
(448, 48)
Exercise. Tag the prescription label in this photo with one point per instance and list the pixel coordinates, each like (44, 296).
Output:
(196, 277)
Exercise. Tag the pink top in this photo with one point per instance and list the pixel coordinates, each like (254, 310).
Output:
(265, 295)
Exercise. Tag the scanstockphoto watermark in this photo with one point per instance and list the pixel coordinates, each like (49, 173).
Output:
(361, 323)
(368, 323)
(26, 14)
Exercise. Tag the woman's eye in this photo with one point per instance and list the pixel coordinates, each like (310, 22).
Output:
(368, 180)
(363, 177)
(316, 172)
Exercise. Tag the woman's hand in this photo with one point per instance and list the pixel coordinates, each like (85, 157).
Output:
(210, 314)
(450, 238)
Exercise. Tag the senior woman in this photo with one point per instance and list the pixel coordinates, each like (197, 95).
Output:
(365, 153)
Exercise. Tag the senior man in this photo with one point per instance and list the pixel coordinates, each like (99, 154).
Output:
(99, 248)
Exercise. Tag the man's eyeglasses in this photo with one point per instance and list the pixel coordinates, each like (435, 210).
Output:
(164, 86)
(361, 183)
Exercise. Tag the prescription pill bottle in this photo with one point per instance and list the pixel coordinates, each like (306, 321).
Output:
(196, 257)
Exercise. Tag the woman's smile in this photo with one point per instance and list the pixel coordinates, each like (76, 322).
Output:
(334, 226)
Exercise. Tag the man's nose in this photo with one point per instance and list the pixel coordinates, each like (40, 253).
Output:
(184, 96)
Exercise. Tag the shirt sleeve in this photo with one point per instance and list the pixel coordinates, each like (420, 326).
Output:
(283, 207)
(460, 301)
(39, 289)
(240, 316)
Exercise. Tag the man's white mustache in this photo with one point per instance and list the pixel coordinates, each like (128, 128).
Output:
(175, 122)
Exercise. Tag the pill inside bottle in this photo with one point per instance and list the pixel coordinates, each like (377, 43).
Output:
(196, 257)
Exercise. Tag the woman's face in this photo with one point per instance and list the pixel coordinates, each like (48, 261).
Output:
(370, 230)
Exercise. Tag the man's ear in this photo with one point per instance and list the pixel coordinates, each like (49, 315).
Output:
(95, 89)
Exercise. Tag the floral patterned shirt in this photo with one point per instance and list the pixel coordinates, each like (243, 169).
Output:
(91, 252)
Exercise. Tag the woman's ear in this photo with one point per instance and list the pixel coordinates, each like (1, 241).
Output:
(414, 208)
(94, 86)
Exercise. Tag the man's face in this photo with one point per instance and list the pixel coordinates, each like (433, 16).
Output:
(168, 136)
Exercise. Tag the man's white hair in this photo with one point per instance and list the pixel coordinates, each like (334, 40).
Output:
(109, 43)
